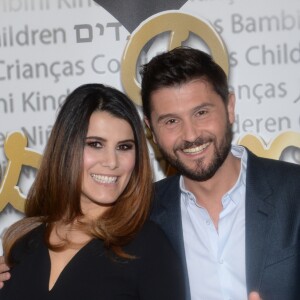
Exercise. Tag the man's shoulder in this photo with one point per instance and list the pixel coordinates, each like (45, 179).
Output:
(273, 165)
(274, 173)
(165, 191)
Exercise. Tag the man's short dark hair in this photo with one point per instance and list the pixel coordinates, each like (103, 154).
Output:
(177, 67)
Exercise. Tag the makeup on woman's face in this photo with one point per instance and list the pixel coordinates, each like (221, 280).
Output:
(108, 162)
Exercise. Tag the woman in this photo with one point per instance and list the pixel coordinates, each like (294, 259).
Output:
(85, 234)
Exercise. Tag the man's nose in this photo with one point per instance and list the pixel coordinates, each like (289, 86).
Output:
(189, 131)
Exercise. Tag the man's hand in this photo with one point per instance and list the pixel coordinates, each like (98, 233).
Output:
(254, 296)
(4, 275)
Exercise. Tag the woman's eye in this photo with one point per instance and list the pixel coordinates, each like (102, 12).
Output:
(125, 147)
(94, 144)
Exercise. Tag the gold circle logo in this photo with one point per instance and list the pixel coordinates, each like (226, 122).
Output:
(180, 25)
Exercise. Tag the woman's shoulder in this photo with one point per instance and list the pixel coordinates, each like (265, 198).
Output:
(27, 243)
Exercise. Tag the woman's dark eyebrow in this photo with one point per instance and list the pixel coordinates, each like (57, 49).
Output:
(127, 141)
(97, 138)
(100, 139)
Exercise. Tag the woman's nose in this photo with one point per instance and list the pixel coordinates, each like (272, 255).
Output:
(110, 159)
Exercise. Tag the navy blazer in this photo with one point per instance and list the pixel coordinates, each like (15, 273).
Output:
(272, 226)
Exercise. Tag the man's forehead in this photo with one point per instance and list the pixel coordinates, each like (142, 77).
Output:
(180, 93)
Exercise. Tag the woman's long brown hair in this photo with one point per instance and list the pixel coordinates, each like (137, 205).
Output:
(56, 191)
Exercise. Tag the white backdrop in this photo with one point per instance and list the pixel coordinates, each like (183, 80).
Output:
(50, 47)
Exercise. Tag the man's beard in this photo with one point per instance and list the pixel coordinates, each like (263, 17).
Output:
(202, 172)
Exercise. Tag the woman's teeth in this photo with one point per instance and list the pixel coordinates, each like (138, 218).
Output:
(104, 179)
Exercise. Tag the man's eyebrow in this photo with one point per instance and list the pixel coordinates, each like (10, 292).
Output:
(166, 116)
(194, 109)
(203, 105)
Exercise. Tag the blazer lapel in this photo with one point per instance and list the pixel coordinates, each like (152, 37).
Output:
(259, 210)
(167, 213)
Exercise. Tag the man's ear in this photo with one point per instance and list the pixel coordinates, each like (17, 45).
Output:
(147, 122)
(231, 107)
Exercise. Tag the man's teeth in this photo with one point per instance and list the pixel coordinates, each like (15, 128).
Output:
(196, 149)
(105, 179)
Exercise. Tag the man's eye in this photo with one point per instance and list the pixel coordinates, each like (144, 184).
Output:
(171, 121)
(201, 112)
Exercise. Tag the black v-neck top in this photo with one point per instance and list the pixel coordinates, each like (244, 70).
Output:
(96, 274)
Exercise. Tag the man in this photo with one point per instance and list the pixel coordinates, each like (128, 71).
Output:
(234, 218)
(228, 214)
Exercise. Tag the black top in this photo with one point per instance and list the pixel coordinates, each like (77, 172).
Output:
(95, 273)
